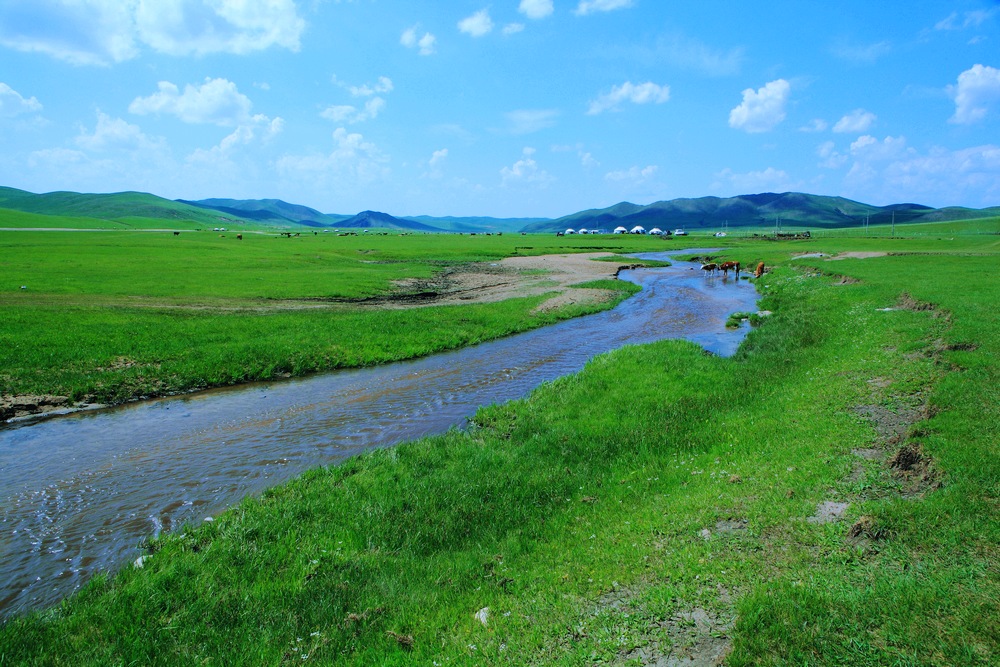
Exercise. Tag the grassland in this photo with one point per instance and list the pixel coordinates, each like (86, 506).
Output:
(112, 316)
(828, 496)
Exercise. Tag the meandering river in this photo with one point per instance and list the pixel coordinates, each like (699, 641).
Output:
(79, 493)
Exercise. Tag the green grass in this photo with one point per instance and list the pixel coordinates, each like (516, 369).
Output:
(590, 517)
(109, 317)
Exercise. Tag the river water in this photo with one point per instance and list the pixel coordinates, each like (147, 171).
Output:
(79, 493)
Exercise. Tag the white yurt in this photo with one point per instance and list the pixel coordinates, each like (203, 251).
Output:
(638, 229)
(655, 230)
(620, 230)
(569, 231)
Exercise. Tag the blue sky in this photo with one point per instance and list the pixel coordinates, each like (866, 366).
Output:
(507, 108)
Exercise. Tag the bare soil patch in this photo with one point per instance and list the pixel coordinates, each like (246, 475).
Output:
(509, 278)
(13, 407)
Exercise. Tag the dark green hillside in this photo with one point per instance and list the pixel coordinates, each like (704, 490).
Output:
(376, 219)
(789, 209)
(271, 211)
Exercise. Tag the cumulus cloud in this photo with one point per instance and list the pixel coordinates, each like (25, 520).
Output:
(526, 121)
(858, 120)
(477, 25)
(978, 89)
(438, 157)
(761, 110)
(217, 102)
(347, 113)
(199, 27)
(513, 28)
(536, 9)
(102, 32)
(13, 104)
(424, 45)
(593, 6)
(353, 162)
(830, 158)
(525, 171)
(381, 87)
(112, 134)
(643, 93)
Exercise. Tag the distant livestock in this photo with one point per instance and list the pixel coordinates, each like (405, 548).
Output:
(710, 268)
(239, 237)
(760, 270)
(177, 233)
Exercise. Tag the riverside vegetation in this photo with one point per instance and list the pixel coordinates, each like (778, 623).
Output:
(827, 496)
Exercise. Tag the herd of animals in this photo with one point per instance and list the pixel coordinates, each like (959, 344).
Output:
(726, 267)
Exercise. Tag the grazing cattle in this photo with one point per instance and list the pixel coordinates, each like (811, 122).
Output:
(760, 270)
(177, 233)
(239, 237)
(711, 268)
(726, 267)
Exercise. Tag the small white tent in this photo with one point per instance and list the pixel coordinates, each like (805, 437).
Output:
(638, 229)
(570, 231)
(655, 230)
(620, 230)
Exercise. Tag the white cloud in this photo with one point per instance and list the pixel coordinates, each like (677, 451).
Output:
(477, 25)
(890, 171)
(350, 114)
(858, 120)
(690, 53)
(438, 157)
(977, 90)
(752, 182)
(513, 28)
(425, 44)
(200, 27)
(761, 110)
(588, 161)
(115, 134)
(972, 19)
(830, 158)
(636, 175)
(352, 163)
(526, 121)
(643, 93)
(383, 86)
(81, 32)
(536, 9)
(102, 32)
(217, 101)
(221, 156)
(525, 171)
(13, 104)
(593, 6)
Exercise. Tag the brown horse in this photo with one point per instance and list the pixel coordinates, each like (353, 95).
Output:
(726, 267)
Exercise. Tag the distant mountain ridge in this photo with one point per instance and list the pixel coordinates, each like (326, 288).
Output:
(793, 209)
(788, 209)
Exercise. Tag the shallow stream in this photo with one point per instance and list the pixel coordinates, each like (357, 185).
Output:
(79, 493)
